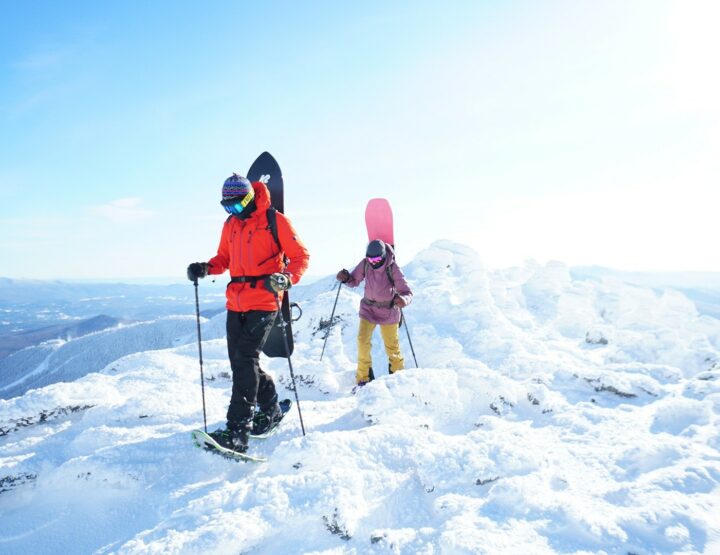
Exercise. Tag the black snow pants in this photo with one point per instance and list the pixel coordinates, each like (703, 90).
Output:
(246, 335)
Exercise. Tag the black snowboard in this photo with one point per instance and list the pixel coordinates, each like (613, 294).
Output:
(267, 170)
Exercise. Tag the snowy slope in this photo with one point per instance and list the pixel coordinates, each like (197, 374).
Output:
(548, 415)
(60, 360)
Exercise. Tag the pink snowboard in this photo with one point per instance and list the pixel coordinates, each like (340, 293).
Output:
(379, 221)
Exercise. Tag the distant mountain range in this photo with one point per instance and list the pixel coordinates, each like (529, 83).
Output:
(35, 311)
(56, 331)
(13, 342)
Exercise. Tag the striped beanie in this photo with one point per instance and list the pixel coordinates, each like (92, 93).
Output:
(236, 186)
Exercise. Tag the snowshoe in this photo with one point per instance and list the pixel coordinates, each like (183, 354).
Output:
(265, 423)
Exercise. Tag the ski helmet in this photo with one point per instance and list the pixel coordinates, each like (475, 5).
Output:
(237, 193)
(375, 249)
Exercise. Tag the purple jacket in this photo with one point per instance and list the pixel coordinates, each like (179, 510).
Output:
(376, 306)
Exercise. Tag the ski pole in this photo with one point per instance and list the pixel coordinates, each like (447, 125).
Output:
(287, 352)
(202, 376)
(332, 315)
(407, 330)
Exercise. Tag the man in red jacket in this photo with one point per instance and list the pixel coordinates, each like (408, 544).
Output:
(258, 273)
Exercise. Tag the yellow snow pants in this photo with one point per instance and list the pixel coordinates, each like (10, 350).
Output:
(391, 339)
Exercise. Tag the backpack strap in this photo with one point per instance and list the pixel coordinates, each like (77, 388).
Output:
(271, 215)
(388, 270)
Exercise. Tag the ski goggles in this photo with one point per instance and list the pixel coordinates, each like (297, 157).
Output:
(236, 205)
(374, 259)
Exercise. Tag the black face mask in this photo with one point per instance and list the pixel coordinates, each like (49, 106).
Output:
(377, 264)
(247, 212)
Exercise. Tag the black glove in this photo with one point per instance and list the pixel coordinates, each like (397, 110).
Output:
(277, 282)
(399, 302)
(197, 270)
(343, 276)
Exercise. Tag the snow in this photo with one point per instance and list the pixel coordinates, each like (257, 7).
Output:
(57, 360)
(548, 415)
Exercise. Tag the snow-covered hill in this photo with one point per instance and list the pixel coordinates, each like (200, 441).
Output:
(61, 360)
(13, 342)
(548, 415)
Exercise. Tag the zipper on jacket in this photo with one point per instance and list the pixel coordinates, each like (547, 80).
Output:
(249, 249)
(267, 259)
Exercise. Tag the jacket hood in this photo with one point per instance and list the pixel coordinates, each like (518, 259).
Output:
(389, 254)
(262, 196)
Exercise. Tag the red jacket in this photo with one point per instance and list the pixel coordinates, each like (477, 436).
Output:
(247, 248)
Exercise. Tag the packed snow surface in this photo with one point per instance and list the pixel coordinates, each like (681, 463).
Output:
(547, 415)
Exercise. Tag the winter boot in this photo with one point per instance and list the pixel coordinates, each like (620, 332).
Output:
(358, 386)
(234, 437)
(267, 418)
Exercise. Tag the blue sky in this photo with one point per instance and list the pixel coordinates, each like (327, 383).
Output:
(585, 132)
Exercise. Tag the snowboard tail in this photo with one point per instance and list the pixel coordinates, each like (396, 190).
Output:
(379, 221)
(266, 169)
(274, 346)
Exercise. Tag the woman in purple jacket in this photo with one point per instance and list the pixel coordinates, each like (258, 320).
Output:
(386, 292)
